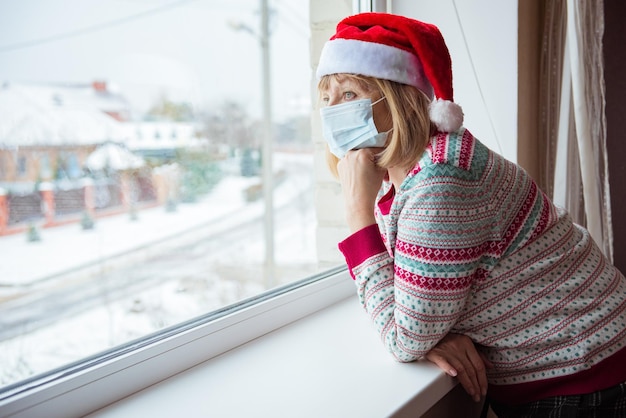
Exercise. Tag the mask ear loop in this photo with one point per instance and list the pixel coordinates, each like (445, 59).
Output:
(379, 100)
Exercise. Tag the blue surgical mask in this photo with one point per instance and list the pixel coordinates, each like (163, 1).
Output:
(350, 125)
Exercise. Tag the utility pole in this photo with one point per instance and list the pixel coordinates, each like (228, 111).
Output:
(266, 152)
(267, 171)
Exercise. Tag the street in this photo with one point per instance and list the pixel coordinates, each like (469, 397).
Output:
(196, 264)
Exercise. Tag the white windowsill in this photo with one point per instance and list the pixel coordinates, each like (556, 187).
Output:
(327, 364)
(306, 351)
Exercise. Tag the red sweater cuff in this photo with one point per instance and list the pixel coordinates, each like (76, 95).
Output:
(362, 245)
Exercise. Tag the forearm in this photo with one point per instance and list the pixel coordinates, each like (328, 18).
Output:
(372, 267)
(377, 294)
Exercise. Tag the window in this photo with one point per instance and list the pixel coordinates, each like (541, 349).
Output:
(21, 166)
(138, 233)
(143, 83)
(44, 167)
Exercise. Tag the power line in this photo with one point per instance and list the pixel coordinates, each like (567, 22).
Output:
(294, 13)
(298, 29)
(300, 26)
(94, 28)
(480, 90)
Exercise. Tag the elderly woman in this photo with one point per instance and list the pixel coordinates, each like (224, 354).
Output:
(457, 255)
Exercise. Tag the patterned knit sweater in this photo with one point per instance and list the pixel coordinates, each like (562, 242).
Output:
(470, 245)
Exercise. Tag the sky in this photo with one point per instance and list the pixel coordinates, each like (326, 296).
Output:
(186, 50)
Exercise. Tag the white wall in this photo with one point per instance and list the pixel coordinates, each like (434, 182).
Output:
(490, 29)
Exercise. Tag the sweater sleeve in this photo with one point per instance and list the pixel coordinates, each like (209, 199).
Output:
(362, 245)
(417, 296)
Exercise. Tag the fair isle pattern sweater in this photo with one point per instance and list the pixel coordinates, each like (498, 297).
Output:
(470, 245)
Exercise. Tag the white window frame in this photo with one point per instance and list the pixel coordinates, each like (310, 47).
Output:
(380, 6)
(86, 386)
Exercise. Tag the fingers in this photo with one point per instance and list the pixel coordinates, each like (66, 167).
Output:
(457, 356)
(472, 375)
(441, 362)
(455, 368)
(479, 370)
(364, 156)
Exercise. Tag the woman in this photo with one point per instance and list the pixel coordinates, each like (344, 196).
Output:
(457, 255)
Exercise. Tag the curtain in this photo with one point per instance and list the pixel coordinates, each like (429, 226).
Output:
(551, 67)
(573, 122)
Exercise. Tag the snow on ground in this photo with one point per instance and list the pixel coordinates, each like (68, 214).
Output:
(63, 249)
(119, 234)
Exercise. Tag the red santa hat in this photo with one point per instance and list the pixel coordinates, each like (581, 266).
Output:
(400, 49)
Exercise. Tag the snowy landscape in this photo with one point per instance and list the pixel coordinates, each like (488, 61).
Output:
(178, 224)
(174, 270)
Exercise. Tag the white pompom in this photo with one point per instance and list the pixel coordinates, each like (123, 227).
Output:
(446, 115)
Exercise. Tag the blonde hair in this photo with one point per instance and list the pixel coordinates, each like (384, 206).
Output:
(411, 125)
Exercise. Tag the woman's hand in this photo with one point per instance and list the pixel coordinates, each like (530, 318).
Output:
(360, 178)
(456, 355)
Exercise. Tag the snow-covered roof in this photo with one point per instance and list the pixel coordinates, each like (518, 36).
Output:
(159, 135)
(37, 114)
(113, 156)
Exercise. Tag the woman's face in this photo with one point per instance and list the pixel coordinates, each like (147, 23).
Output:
(342, 89)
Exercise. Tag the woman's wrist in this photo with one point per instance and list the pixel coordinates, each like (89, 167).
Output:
(358, 220)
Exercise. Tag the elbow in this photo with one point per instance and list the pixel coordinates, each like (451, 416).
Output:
(404, 356)
(404, 350)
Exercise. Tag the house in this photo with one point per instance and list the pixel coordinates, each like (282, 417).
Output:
(47, 134)
(47, 131)
(51, 133)
(159, 140)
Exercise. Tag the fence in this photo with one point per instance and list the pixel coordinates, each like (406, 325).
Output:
(51, 204)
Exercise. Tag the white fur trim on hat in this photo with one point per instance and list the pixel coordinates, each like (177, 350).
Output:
(350, 56)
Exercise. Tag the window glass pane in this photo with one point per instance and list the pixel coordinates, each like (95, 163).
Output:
(132, 168)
